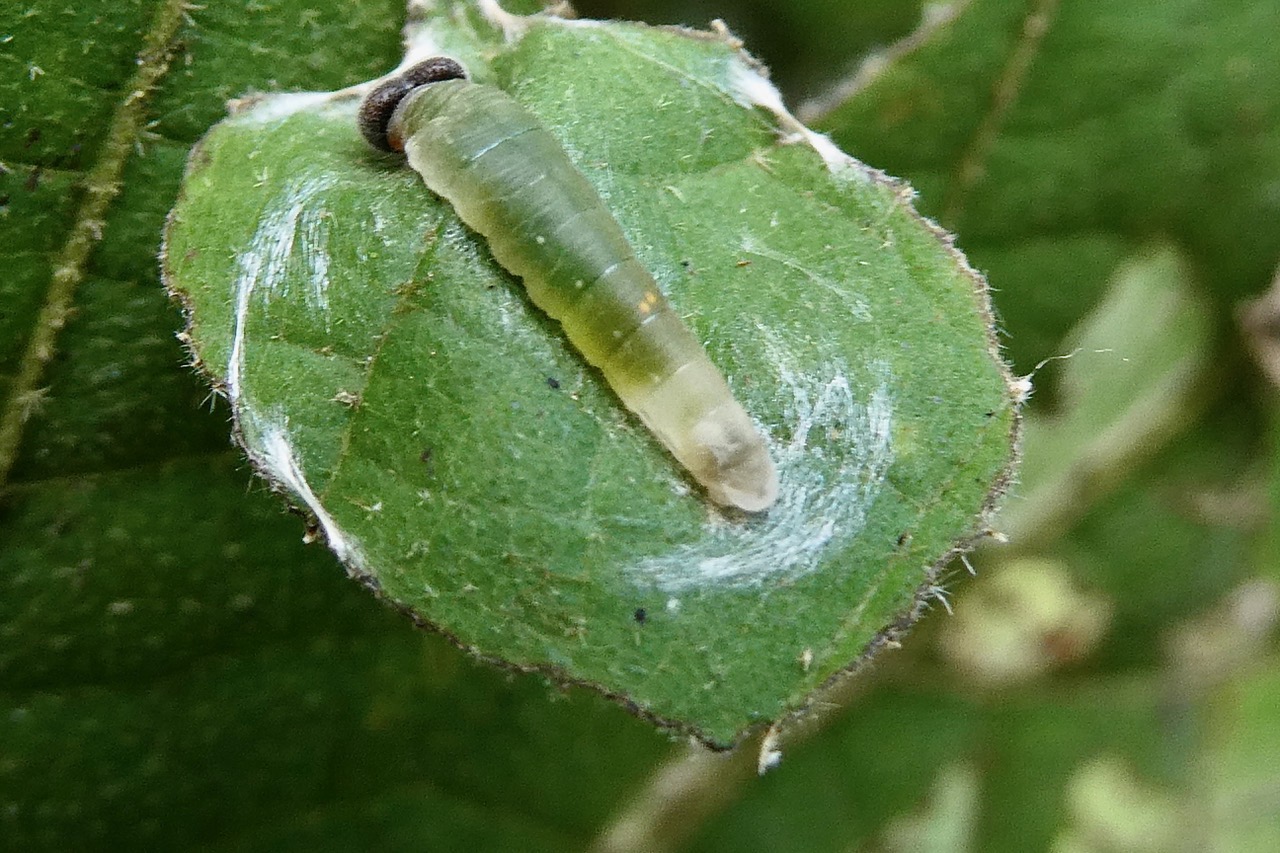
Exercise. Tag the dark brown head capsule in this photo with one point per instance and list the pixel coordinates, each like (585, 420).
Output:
(378, 105)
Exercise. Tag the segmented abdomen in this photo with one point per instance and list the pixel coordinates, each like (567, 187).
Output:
(510, 180)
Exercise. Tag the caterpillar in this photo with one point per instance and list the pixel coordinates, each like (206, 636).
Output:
(510, 180)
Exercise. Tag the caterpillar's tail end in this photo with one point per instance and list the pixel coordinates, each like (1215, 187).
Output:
(738, 470)
(753, 494)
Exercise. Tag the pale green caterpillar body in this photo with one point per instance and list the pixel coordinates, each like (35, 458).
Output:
(510, 180)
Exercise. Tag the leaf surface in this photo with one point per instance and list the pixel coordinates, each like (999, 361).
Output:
(459, 455)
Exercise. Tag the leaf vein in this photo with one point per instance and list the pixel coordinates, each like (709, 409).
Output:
(1004, 96)
(102, 185)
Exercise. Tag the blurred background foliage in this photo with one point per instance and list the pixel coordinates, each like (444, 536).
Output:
(178, 670)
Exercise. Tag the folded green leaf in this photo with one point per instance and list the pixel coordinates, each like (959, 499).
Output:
(460, 456)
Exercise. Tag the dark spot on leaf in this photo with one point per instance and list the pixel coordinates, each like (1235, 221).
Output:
(641, 616)
(33, 180)
(553, 383)
(33, 136)
(904, 538)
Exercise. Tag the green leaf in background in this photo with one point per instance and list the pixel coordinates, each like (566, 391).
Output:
(1056, 137)
(1240, 766)
(1130, 379)
(460, 455)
